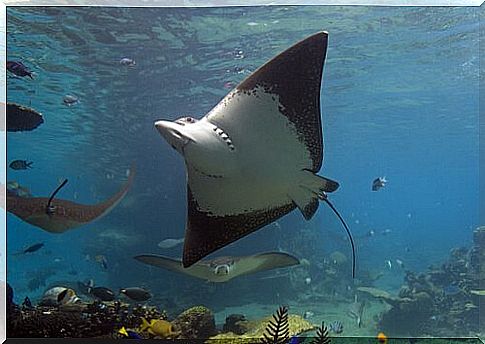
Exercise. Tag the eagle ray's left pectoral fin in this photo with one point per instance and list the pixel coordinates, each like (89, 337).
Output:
(309, 190)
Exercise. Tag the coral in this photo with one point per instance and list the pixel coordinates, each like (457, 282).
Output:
(256, 328)
(444, 298)
(76, 320)
(322, 336)
(277, 331)
(338, 258)
(196, 322)
(236, 323)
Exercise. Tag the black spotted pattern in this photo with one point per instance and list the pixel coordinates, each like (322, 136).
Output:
(295, 76)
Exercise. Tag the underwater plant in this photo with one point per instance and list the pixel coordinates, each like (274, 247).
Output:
(322, 335)
(277, 331)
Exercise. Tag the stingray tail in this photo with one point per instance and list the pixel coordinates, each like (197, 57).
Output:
(106, 206)
(325, 199)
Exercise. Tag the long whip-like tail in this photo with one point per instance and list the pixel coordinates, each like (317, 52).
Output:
(50, 209)
(325, 198)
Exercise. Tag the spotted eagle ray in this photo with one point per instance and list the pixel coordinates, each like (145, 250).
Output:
(58, 215)
(254, 157)
(223, 269)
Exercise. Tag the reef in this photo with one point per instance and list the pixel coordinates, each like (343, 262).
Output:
(196, 322)
(445, 298)
(255, 330)
(105, 320)
(236, 323)
(100, 320)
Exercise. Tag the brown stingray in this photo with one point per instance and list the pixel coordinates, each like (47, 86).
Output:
(223, 269)
(66, 214)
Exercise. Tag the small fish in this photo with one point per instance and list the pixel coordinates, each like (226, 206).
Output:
(389, 264)
(70, 100)
(378, 183)
(382, 338)
(34, 248)
(102, 261)
(169, 243)
(19, 69)
(356, 310)
(66, 296)
(370, 233)
(12, 185)
(308, 280)
(126, 61)
(31, 249)
(236, 70)
(400, 263)
(158, 327)
(336, 327)
(20, 164)
(102, 293)
(136, 293)
(85, 287)
(308, 315)
(15, 189)
(386, 231)
(129, 333)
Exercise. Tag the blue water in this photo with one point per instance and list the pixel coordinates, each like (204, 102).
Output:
(399, 99)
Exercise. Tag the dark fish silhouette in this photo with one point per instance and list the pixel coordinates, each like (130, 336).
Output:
(20, 164)
(136, 293)
(22, 118)
(102, 293)
(19, 69)
(32, 249)
(62, 215)
(378, 183)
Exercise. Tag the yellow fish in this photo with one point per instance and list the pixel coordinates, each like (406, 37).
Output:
(160, 328)
(123, 331)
